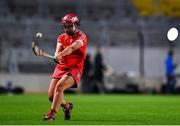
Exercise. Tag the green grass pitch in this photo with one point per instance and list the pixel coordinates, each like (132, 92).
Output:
(93, 109)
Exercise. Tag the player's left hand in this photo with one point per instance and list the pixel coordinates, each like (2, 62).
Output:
(58, 57)
(56, 61)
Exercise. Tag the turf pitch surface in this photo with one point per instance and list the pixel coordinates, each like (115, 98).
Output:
(93, 109)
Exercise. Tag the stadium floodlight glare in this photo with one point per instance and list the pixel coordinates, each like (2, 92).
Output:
(172, 34)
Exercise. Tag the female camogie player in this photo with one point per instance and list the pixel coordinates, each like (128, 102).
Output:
(71, 53)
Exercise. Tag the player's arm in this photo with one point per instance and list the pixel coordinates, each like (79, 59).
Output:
(68, 50)
(59, 48)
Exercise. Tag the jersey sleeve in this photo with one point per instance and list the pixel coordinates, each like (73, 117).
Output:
(83, 39)
(60, 40)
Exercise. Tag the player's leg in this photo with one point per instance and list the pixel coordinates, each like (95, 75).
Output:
(51, 89)
(64, 83)
(67, 107)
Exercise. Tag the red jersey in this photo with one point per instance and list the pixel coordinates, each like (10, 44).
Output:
(76, 58)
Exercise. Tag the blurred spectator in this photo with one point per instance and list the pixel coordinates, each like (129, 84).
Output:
(99, 69)
(86, 76)
(12, 61)
(170, 75)
(9, 88)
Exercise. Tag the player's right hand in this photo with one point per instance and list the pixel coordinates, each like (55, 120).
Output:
(56, 61)
(58, 56)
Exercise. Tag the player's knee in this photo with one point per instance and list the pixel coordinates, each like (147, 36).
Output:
(59, 88)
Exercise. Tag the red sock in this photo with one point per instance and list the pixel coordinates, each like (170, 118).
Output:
(52, 112)
(65, 105)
